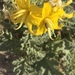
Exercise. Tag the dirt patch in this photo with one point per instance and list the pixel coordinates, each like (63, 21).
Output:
(6, 67)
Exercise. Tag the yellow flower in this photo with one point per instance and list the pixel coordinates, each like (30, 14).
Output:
(45, 19)
(25, 13)
(59, 5)
(49, 21)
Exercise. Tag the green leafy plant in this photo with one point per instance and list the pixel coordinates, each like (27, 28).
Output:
(40, 55)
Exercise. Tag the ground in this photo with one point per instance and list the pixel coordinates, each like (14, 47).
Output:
(6, 67)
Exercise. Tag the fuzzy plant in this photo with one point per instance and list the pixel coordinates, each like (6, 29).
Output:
(43, 53)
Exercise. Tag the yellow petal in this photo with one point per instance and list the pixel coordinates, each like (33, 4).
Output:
(35, 9)
(59, 12)
(41, 29)
(23, 4)
(29, 24)
(46, 9)
(15, 21)
(50, 34)
(69, 15)
(20, 13)
(26, 3)
(55, 22)
(69, 2)
(21, 23)
(36, 14)
(36, 20)
(18, 16)
(50, 25)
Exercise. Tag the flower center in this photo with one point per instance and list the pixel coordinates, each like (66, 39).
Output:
(50, 27)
